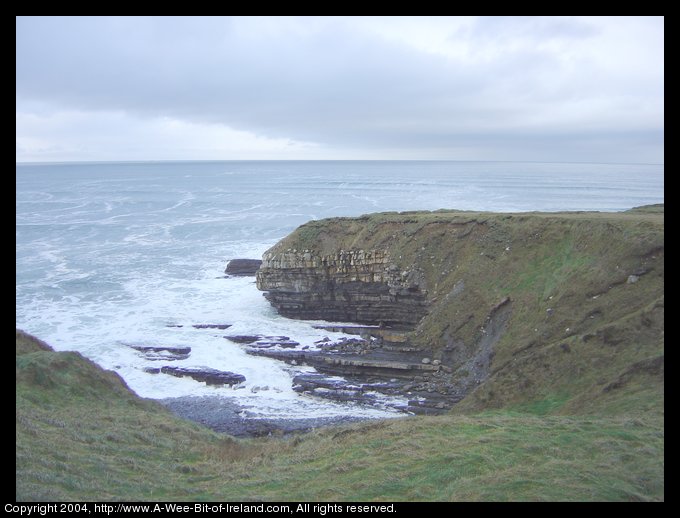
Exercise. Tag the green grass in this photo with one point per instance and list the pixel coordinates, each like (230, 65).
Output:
(107, 444)
(546, 271)
(541, 407)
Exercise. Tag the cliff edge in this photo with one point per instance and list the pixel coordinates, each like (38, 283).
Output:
(559, 307)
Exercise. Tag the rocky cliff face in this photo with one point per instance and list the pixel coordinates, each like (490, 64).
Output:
(361, 286)
(515, 307)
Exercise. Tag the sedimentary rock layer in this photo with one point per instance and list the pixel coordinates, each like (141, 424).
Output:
(360, 286)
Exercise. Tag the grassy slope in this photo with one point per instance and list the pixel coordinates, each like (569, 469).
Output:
(588, 424)
(80, 433)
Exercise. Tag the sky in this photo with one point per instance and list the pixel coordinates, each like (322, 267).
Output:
(547, 89)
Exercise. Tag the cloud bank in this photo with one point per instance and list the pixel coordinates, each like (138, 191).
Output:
(552, 89)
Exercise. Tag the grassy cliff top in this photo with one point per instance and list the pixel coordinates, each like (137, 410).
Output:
(374, 230)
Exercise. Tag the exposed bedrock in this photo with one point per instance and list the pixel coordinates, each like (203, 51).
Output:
(205, 374)
(162, 352)
(242, 267)
(360, 286)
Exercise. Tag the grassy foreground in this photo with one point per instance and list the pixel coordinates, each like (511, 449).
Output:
(82, 435)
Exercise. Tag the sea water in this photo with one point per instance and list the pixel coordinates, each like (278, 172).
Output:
(110, 255)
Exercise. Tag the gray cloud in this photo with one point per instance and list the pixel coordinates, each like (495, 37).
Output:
(500, 29)
(337, 83)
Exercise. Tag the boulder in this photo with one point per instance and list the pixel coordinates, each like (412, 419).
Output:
(243, 267)
(211, 326)
(162, 352)
(263, 341)
(243, 339)
(205, 374)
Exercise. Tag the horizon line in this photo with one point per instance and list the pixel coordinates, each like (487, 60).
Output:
(153, 161)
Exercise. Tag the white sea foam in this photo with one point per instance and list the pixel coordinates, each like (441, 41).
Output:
(109, 255)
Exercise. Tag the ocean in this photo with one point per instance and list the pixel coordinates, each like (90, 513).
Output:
(110, 255)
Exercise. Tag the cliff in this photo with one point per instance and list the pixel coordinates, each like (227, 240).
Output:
(361, 286)
(519, 307)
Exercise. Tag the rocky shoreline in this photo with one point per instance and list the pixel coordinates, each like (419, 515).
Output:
(224, 416)
(360, 369)
(367, 370)
(376, 367)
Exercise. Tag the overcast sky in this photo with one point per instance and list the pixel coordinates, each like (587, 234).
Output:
(527, 89)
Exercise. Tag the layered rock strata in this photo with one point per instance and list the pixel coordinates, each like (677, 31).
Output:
(360, 286)
(358, 370)
(205, 374)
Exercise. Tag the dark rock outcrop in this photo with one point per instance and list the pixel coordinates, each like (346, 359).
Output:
(242, 267)
(243, 339)
(359, 371)
(205, 374)
(211, 326)
(261, 341)
(163, 352)
(381, 364)
(352, 390)
(350, 286)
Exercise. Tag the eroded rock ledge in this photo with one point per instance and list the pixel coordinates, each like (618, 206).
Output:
(361, 286)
